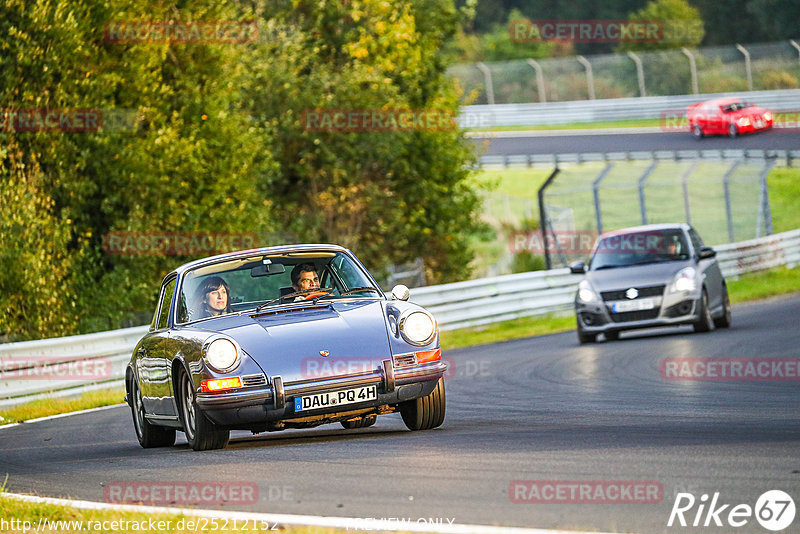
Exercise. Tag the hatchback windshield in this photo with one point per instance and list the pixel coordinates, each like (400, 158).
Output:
(268, 280)
(639, 248)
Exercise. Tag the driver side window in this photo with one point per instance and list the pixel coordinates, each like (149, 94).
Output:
(164, 307)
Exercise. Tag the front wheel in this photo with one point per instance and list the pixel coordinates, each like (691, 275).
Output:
(704, 323)
(426, 412)
(697, 131)
(725, 320)
(201, 433)
(583, 337)
(149, 435)
(732, 131)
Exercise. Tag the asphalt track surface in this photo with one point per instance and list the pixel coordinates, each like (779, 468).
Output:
(542, 408)
(551, 142)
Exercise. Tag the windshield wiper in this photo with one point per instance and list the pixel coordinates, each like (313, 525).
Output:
(357, 289)
(606, 267)
(296, 294)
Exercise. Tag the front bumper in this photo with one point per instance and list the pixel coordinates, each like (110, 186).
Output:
(274, 402)
(670, 309)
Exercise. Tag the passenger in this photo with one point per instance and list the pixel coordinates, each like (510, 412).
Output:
(212, 298)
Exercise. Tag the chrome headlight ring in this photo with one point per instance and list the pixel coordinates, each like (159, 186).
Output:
(417, 327)
(222, 353)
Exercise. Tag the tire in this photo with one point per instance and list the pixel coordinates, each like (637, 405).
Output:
(426, 412)
(725, 320)
(697, 131)
(583, 337)
(611, 336)
(201, 433)
(148, 434)
(705, 323)
(362, 422)
(732, 131)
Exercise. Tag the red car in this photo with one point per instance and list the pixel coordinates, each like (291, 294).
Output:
(727, 116)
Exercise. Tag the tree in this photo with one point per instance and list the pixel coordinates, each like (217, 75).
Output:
(682, 25)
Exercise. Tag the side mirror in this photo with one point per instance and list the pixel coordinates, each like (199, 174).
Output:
(706, 252)
(578, 268)
(400, 292)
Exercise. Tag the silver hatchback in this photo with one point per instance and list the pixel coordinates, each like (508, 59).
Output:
(647, 276)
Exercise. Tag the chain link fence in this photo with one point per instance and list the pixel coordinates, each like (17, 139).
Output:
(752, 67)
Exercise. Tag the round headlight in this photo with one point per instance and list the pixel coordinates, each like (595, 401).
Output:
(418, 328)
(222, 354)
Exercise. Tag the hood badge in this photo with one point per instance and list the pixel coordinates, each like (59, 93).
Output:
(632, 293)
(324, 353)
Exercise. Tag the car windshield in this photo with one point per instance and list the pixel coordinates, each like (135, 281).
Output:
(639, 248)
(265, 280)
(736, 106)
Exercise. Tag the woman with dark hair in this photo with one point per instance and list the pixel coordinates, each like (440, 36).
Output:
(211, 298)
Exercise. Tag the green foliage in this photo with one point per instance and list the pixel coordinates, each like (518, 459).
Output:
(776, 79)
(682, 25)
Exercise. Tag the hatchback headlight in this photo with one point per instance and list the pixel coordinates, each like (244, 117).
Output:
(222, 354)
(418, 328)
(586, 293)
(743, 121)
(685, 280)
(767, 116)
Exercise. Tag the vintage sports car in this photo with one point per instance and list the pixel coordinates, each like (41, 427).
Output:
(727, 116)
(281, 337)
(646, 276)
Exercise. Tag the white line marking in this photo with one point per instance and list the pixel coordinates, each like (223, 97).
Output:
(356, 524)
(60, 415)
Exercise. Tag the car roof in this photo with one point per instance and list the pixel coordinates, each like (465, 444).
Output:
(256, 251)
(647, 227)
(724, 101)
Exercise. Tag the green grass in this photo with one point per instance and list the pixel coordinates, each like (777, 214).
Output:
(630, 123)
(54, 406)
(771, 283)
(20, 511)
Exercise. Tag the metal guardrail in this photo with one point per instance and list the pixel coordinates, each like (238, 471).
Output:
(35, 369)
(647, 107)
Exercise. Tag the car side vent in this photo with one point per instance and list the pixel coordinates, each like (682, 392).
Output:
(254, 380)
(405, 360)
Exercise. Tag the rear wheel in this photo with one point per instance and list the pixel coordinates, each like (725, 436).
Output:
(361, 422)
(725, 320)
(705, 322)
(201, 433)
(426, 412)
(149, 435)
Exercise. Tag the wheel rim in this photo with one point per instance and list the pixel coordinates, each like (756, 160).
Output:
(138, 410)
(697, 131)
(727, 307)
(732, 130)
(707, 311)
(188, 407)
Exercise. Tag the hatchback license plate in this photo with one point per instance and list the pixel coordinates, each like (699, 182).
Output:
(633, 305)
(335, 398)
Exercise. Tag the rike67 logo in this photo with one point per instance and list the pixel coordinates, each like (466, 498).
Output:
(774, 510)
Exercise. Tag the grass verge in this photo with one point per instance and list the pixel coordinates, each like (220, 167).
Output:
(19, 516)
(748, 287)
(630, 123)
(54, 406)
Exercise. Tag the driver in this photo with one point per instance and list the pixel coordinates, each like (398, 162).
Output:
(304, 277)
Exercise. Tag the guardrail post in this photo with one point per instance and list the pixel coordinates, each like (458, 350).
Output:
(763, 201)
(596, 191)
(644, 177)
(639, 72)
(589, 77)
(543, 215)
(685, 185)
(487, 80)
(726, 186)
(539, 79)
(797, 47)
(747, 68)
(692, 68)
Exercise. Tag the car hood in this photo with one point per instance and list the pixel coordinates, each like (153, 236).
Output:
(651, 274)
(290, 341)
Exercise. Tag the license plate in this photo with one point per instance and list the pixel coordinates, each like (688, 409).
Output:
(633, 305)
(331, 399)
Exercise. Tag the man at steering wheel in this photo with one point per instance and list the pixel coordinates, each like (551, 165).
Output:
(305, 278)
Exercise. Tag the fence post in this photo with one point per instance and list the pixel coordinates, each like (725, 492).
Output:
(726, 186)
(543, 215)
(797, 47)
(644, 177)
(539, 79)
(747, 68)
(692, 68)
(763, 201)
(639, 72)
(685, 184)
(596, 191)
(589, 77)
(487, 80)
